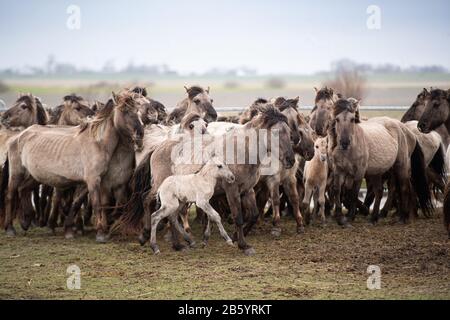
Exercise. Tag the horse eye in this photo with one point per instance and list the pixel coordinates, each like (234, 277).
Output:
(191, 126)
(24, 106)
(197, 101)
(337, 120)
(219, 166)
(317, 147)
(206, 124)
(212, 100)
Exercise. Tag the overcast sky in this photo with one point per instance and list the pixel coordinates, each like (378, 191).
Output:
(196, 35)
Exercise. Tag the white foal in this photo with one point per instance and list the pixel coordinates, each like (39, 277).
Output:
(177, 191)
(315, 176)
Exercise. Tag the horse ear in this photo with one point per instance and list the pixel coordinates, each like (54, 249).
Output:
(297, 99)
(114, 97)
(207, 90)
(316, 90)
(186, 88)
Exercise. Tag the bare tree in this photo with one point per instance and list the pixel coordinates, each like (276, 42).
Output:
(349, 81)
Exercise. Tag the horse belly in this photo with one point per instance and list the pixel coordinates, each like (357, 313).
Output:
(383, 149)
(54, 169)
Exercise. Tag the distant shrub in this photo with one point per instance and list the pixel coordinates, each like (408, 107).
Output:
(350, 82)
(3, 87)
(275, 83)
(231, 85)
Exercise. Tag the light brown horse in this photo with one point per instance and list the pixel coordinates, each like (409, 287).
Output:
(197, 101)
(150, 111)
(321, 114)
(26, 111)
(63, 157)
(370, 149)
(72, 112)
(240, 194)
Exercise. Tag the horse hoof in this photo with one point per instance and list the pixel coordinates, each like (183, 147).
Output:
(193, 244)
(300, 230)
(142, 240)
(231, 244)
(342, 221)
(69, 236)
(11, 232)
(276, 232)
(204, 244)
(100, 238)
(249, 251)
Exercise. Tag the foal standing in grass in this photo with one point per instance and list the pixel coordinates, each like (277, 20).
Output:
(196, 188)
(315, 176)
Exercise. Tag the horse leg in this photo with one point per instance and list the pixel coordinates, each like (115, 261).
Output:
(234, 201)
(377, 187)
(337, 188)
(291, 193)
(37, 208)
(274, 189)
(214, 216)
(94, 188)
(184, 215)
(24, 192)
(10, 204)
(54, 211)
(206, 231)
(187, 237)
(321, 204)
(74, 211)
(389, 204)
(249, 204)
(156, 217)
(306, 202)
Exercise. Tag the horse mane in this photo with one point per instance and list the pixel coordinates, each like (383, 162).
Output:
(193, 91)
(287, 103)
(73, 98)
(97, 124)
(439, 93)
(268, 116)
(140, 90)
(324, 93)
(41, 116)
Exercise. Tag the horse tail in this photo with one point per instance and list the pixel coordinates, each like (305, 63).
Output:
(447, 209)
(420, 182)
(130, 221)
(438, 165)
(3, 190)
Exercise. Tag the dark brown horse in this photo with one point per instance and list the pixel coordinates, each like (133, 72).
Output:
(150, 111)
(436, 112)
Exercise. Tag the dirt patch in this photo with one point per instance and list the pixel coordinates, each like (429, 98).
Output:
(323, 263)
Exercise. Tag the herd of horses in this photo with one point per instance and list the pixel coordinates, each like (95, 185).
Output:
(116, 164)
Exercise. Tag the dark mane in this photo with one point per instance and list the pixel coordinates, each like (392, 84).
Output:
(270, 115)
(342, 105)
(25, 99)
(41, 116)
(140, 90)
(73, 98)
(324, 93)
(56, 114)
(260, 101)
(438, 94)
(193, 91)
(288, 103)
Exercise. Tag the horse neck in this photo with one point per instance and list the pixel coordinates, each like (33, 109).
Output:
(206, 175)
(109, 139)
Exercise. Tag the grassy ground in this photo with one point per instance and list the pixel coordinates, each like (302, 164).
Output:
(323, 263)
